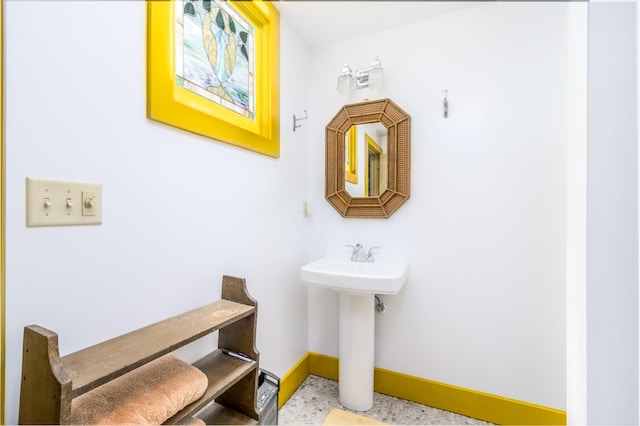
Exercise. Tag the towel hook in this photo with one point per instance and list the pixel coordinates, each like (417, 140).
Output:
(445, 104)
(296, 119)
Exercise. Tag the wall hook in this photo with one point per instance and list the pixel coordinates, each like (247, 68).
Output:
(295, 120)
(445, 104)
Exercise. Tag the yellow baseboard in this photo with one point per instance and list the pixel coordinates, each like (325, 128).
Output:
(293, 379)
(467, 402)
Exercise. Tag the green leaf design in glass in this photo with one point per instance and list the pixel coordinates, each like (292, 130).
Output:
(189, 9)
(220, 19)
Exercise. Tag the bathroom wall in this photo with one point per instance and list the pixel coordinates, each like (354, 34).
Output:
(612, 392)
(484, 229)
(179, 210)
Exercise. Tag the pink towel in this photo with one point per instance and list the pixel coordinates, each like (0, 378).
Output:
(150, 394)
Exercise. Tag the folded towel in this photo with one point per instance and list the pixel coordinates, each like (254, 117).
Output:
(150, 394)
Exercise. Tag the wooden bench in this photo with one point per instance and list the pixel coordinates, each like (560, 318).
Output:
(51, 382)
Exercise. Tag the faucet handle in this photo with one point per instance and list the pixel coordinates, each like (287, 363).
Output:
(357, 250)
(370, 253)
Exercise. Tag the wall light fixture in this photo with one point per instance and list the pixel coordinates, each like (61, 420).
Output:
(366, 77)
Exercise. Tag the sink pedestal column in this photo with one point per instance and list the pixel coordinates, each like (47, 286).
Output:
(356, 340)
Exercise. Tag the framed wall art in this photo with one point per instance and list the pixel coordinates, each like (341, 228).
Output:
(213, 69)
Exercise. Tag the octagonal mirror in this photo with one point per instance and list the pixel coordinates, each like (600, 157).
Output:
(368, 159)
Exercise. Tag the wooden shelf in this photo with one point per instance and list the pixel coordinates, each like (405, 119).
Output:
(51, 382)
(216, 414)
(223, 371)
(98, 364)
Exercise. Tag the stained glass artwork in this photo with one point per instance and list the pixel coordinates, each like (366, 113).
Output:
(214, 54)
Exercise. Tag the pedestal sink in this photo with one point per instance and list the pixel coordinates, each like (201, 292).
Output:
(357, 283)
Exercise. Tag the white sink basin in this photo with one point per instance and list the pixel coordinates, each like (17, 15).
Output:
(345, 276)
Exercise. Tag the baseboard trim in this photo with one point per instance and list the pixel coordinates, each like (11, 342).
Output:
(470, 403)
(293, 379)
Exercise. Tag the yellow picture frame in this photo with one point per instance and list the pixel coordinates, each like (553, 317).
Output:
(173, 105)
(351, 156)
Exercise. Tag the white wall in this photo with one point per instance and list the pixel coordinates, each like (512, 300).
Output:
(484, 230)
(576, 247)
(612, 217)
(179, 210)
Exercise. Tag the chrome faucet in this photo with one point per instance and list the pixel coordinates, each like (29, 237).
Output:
(358, 253)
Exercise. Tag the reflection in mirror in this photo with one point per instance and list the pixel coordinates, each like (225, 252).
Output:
(351, 155)
(367, 148)
(366, 159)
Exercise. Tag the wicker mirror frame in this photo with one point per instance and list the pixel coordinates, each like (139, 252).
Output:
(398, 125)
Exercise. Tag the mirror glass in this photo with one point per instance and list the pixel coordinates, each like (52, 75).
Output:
(368, 159)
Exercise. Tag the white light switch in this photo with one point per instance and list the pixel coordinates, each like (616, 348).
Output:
(59, 202)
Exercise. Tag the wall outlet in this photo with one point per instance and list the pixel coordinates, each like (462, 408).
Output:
(59, 202)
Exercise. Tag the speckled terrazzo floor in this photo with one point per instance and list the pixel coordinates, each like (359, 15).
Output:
(313, 400)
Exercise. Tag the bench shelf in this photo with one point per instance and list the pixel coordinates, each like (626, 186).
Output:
(51, 382)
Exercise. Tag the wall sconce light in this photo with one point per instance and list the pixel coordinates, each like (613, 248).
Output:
(366, 77)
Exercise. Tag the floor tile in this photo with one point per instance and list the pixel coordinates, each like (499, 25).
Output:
(313, 400)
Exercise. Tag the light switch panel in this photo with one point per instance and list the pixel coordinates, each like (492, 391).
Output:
(59, 202)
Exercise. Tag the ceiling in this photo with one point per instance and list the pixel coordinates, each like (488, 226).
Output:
(324, 22)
